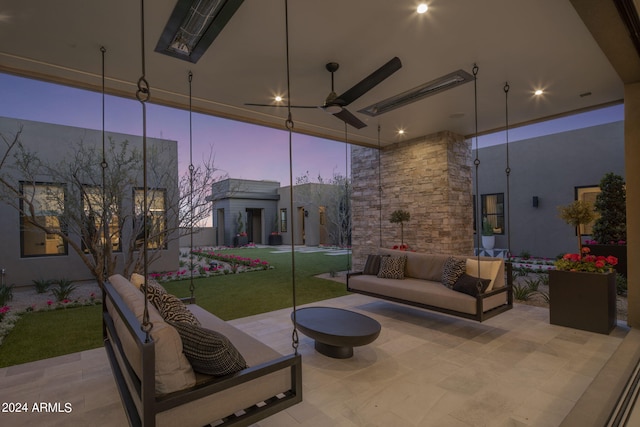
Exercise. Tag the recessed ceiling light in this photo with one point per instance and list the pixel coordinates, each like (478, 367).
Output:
(538, 92)
(422, 8)
(400, 131)
(278, 98)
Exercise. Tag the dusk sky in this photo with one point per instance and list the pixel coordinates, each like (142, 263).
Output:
(241, 150)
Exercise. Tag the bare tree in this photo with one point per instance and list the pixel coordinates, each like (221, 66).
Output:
(103, 224)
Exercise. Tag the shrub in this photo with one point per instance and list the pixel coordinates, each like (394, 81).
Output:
(42, 285)
(6, 294)
(522, 292)
(621, 284)
(63, 290)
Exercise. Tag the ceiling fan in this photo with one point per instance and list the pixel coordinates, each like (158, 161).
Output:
(335, 104)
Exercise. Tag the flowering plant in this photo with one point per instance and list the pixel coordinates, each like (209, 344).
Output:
(402, 247)
(586, 262)
(612, 242)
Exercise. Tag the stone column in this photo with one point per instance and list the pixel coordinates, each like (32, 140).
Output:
(430, 178)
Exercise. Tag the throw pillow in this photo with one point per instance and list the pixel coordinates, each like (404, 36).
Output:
(488, 269)
(209, 352)
(137, 280)
(469, 285)
(452, 270)
(155, 291)
(372, 266)
(172, 309)
(392, 267)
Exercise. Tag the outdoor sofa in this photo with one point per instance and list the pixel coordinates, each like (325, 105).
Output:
(443, 283)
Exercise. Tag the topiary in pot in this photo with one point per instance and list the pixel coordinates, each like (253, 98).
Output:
(611, 204)
(400, 216)
(576, 214)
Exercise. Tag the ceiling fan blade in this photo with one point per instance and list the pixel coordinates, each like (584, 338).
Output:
(369, 82)
(350, 119)
(279, 106)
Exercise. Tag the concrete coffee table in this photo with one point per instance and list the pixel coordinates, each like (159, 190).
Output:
(336, 331)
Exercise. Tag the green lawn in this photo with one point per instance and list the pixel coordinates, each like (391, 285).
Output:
(44, 334)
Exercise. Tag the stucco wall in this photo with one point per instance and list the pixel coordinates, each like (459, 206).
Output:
(53, 142)
(549, 167)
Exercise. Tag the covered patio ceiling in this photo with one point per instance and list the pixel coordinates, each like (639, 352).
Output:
(543, 44)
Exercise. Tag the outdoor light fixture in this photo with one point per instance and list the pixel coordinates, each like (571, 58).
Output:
(438, 85)
(193, 26)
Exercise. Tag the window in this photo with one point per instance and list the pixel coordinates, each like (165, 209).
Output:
(283, 220)
(92, 229)
(38, 233)
(156, 218)
(587, 194)
(493, 210)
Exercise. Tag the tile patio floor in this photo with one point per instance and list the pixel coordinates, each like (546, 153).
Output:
(425, 369)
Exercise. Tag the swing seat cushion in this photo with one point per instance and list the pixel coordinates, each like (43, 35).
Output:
(173, 371)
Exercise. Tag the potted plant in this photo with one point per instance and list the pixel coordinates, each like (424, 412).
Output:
(582, 292)
(275, 238)
(582, 288)
(400, 216)
(240, 238)
(488, 239)
(610, 228)
(576, 214)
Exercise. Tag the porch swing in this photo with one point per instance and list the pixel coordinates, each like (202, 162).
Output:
(156, 382)
(482, 291)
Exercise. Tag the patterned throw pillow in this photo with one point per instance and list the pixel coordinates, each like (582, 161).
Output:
(372, 266)
(209, 352)
(469, 285)
(155, 291)
(174, 310)
(452, 270)
(392, 267)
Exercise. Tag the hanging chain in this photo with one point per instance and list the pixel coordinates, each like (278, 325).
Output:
(289, 125)
(143, 95)
(476, 162)
(379, 189)
(104, 165)
(191, 170)
(508, 168)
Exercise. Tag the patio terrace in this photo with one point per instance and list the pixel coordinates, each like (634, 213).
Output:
(425, 369)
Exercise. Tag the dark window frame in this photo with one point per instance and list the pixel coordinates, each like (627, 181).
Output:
(24, 221)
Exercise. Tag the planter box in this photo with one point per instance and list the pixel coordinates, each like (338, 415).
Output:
(618, 251)
(582, 300)
(240, 241)
(275, 239)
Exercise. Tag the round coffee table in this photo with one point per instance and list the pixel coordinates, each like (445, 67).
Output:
(336, 331)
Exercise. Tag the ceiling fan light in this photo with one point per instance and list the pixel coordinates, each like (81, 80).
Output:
(333, 109)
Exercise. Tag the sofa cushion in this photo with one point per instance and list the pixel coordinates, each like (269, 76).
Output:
(469, 285)
(173, 371)
(487, 270)
(209, 351)
(392, 267)
(173, 309)
(372, 266)
(452, 270)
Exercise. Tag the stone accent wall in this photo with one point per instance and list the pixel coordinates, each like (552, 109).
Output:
(430, 178)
